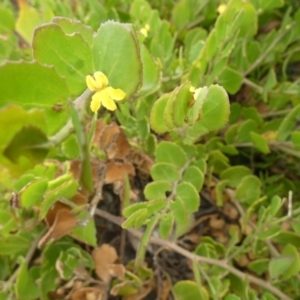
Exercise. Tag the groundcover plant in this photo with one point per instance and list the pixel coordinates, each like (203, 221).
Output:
(149, 149)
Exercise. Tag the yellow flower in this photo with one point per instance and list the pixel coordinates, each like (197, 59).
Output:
(195, 91)
(144, 30)
(221, 8)
(104, 95)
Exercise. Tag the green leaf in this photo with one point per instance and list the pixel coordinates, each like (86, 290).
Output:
(35, 86)
(14, 244)
(151, 73)
(129, 210)
(287, 124)
(165, 171)
(87, 233)
(156, 206)
(29, 18)
(25, 287)
(292, 251)
(15, 118)
(157, 190)
(194, 176)
(26, 143)
(181, 100)
(33, 193)
(220, 188)
(245, 128)
(168, 152)
(166, 224)
(296, 139)
(66, 189)
(7, 21)
(70, 147)
(231, 80)
(215, 109)
(234, 175)
(179, 209)
(141, 214)
(260, 142)
(194, 112)
(270, 232)
(259, 266)
(232, 297)
(70, 26)
(116, 53)
(249, 189)
(189, 195)
(276, 204)
(288, 237)
(51, 46)
(157, 114)
(278, 265)
(187, 290)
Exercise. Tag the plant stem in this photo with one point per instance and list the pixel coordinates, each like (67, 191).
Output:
(68, 129)
(200, 259)
(269, 49)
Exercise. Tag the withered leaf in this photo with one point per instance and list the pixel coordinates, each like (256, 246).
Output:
(104, 257)
(63, 223)
(116, 171)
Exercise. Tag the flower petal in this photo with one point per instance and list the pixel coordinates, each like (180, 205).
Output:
(101, 80)
(107, 101)
(116, 94)
(96, 102)
(91, 83)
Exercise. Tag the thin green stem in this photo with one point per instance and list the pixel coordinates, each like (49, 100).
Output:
(268, 50)
(68, 129)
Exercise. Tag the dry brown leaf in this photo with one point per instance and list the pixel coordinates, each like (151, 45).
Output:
(104, 257)
(216, 223)
(113, 141)
(117, 271)
(63, 223)
(116, 171)
(230, 211)
(88, 293)
(166, 288)
(143, 162)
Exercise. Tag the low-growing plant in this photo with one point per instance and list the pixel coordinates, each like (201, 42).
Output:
(149, 149)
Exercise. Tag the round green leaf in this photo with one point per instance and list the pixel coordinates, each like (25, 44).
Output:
(187, 290)
(215, 109)
(33, 85)
(195, 176)
(157, 190)
(165, 171)
(171, 153)
(157, 114)
(234, 175)
(51, 46)
(116, 53)
(189, 195)
(249, 189)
